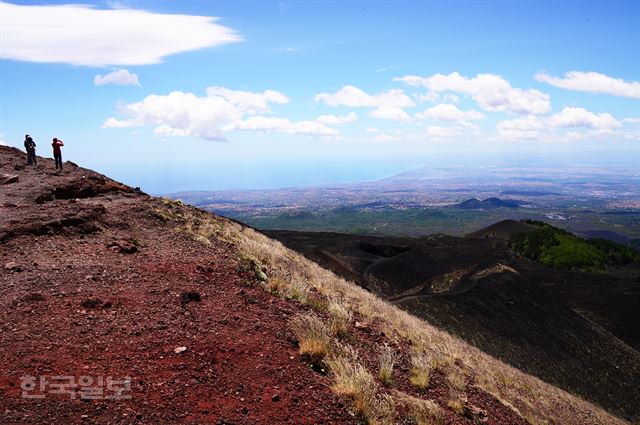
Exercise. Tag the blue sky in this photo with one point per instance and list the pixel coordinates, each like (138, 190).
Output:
(271, 94)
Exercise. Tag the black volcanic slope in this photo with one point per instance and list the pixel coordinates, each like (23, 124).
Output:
(572, 329)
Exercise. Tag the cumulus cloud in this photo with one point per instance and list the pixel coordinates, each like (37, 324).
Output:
(438, 132)
(491, 92)
(282, 125)
(592, 82)
(448, 112)
(632, 120)
(83, 35)
(209, 117)
(336, 120)
(601, 133)
(390, 113)
(580, 117)
(385, 138)
(354, 97)
(246, 101)
(527, 128)
(389, 104)
(121, 77)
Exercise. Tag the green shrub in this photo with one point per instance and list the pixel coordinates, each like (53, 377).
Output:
(558, 248)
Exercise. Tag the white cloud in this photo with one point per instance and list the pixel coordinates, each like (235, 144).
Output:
(448, 112)
(527, 128)
(438, 132)
(491, 92)
(592, 82)
(249, 102)
(116, 123)
(209, 117)
(83, 35)
(632, 120)
(576, 135)
(428, 97)
(372, 130)
(385, 138)
(283, 125)
(390, 113)
(121, 77)
(354, 97)
(580, 117)
(389, 104)
(607, 133)
(336, 120)
(451, 98)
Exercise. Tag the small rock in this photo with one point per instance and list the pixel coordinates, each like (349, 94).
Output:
(8, 178)
(179, 350)
(475, 414)
(123, 247)
(190, 296)
(13, 266)
(91, 303)
(362, 325)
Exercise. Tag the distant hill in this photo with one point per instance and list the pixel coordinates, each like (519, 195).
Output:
(489, 203)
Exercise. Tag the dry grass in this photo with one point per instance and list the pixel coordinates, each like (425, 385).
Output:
(387, 362)
(456, 405)
(276, 285)
(297, 290)
(419, 411)
(340, 317)
(313, 337)
(294, 276)
(420, 371)
(353, 380)
(382, 410)
(456, 380)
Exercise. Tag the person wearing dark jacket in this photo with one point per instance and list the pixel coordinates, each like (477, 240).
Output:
(57, 152)
(30, 147)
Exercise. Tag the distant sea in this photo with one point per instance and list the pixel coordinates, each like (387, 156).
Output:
(158, 179)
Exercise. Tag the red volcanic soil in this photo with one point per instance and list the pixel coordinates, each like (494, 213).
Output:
(73, 306)
(93, 284)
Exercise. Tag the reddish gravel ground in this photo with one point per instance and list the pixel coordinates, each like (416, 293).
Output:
(93, 284)
(240, 365)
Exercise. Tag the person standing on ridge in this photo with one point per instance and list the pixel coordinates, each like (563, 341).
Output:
(30, 147)
(57, 152)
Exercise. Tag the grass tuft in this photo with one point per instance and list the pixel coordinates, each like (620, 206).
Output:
(353, 380)
(387, 362)
(419, 411)
(340, 317)
(456, 405)
(313, 337)
(456, 380)
(420, 371)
